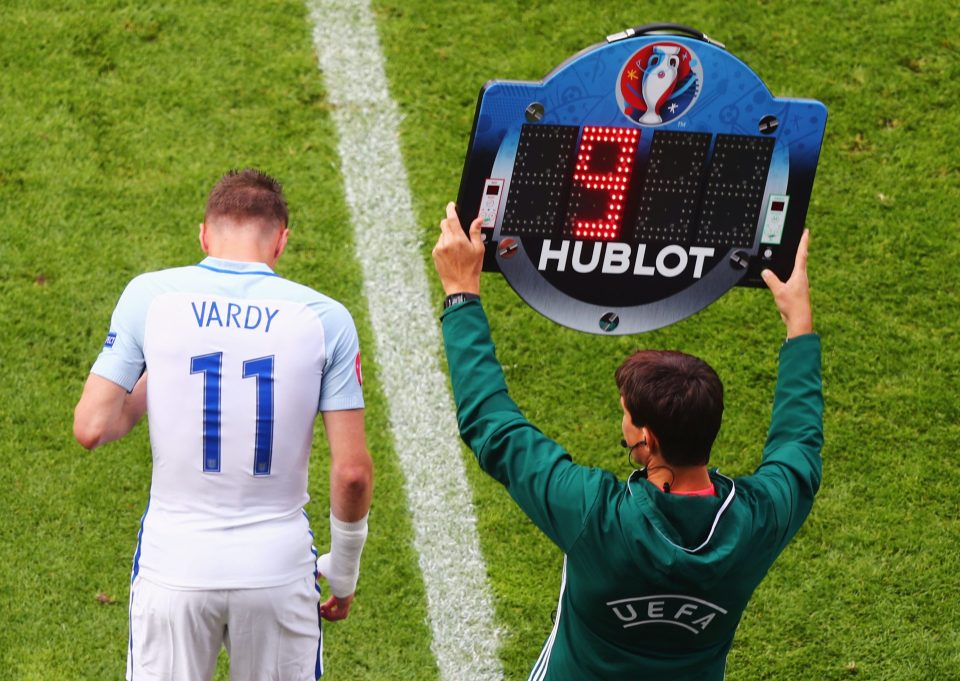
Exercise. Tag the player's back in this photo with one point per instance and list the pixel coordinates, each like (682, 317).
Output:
(235, 357)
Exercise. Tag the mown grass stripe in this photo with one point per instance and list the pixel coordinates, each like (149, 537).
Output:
(459, 603)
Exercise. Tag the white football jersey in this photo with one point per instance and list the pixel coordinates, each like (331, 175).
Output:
(239, 362)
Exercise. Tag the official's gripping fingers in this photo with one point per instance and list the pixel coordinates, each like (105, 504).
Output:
(475, 230)
(800, 264)
(451, 225)
(771, 280)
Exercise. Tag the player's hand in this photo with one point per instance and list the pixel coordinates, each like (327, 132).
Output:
(793, 296)
(458, 259)
(336, 608)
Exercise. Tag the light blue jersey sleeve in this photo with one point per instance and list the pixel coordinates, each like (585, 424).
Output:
(341, 387)
(121, 358)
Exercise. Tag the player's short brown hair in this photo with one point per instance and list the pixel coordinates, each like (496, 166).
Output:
(677, 396)
(246, 195)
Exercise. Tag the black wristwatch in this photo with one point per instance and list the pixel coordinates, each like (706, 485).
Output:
(457, 298)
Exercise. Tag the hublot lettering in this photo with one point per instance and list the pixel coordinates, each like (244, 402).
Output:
(692, 614)
(666, 270)
(546, 255)
(578, 264)
(208, 313)
(614, 257)
(639, 268)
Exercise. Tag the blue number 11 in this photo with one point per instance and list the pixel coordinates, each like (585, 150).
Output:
(211, 368)
(262, 368)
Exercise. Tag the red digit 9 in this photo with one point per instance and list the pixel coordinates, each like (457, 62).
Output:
(603, 172)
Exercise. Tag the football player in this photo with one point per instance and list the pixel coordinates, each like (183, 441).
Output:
(232, 363)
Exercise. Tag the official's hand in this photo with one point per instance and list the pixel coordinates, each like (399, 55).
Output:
(336, 608)
(793, 296)
(458, 259)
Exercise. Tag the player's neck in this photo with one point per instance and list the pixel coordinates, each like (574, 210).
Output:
(240, 253)
(243, 242)
(680, 478)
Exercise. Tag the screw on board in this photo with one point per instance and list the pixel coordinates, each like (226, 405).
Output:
(507, 247)
(609, 322)
(769, 124)
(534, 112)
(740, 260)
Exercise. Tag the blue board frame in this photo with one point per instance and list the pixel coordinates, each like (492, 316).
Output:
(713, 94)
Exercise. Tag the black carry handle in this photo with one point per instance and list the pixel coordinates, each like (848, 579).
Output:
(664, 28)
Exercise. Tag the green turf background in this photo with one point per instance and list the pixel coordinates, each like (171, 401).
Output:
(116, 120)
(116, 117)
(867, 589)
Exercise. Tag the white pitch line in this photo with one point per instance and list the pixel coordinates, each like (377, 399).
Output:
(459, 604)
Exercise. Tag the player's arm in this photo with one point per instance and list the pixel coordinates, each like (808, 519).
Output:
(792, 297)
(351, 468)
(114, 397)
(106, 412)
(351, 488)
(555, 493)
(798, 402)
(791, 466)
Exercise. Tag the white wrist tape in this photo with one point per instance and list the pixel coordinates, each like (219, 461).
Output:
(341, 566)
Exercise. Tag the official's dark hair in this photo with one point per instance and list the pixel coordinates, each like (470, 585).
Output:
(247, 194)
(677, 396)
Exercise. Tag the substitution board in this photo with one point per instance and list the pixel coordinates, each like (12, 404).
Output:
(640, 180)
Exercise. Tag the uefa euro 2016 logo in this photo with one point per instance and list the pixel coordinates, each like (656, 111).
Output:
(659, 83)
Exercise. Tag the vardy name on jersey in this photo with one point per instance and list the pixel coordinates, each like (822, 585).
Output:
(232, 315)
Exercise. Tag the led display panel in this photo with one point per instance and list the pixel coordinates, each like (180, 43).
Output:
(639, 181)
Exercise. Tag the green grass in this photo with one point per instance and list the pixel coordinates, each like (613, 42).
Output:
(866, 589)
(115, 118)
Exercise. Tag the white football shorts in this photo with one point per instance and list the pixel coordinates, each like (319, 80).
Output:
(271, 634)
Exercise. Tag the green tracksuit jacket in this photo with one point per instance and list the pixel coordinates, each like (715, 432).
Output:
(653, 584)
